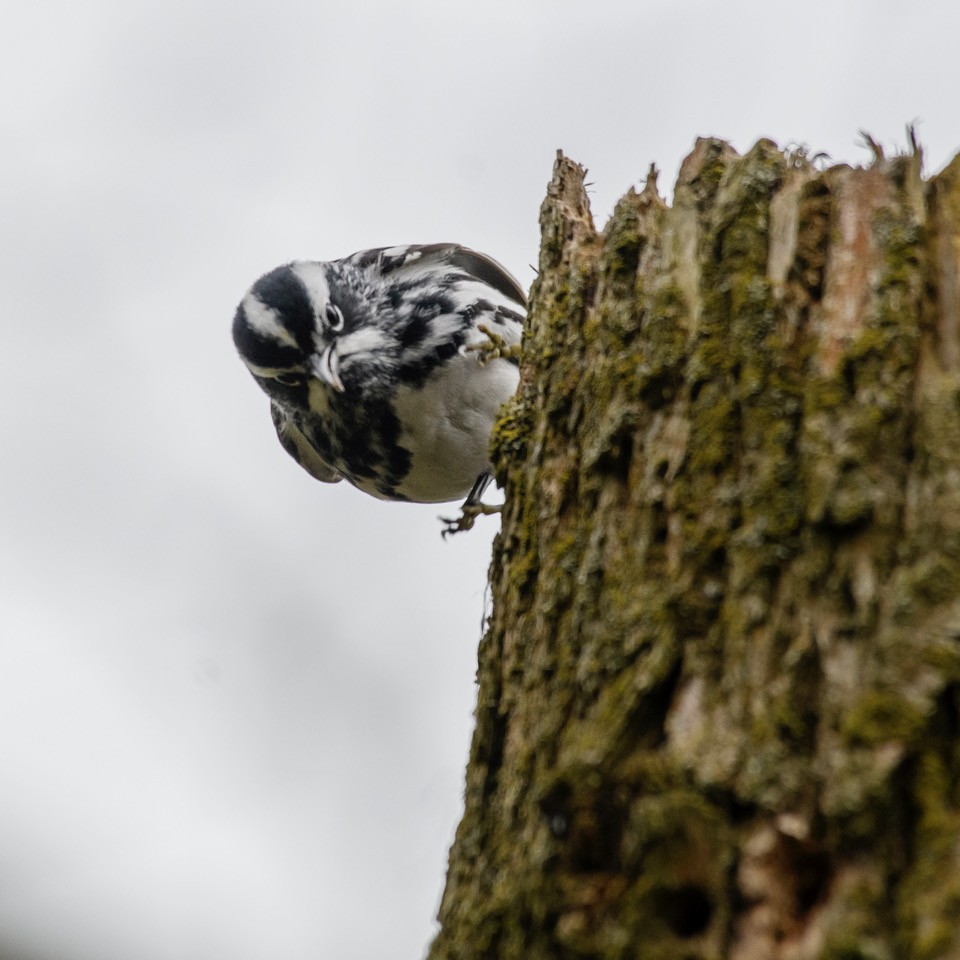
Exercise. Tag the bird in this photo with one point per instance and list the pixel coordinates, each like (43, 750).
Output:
(387, 368)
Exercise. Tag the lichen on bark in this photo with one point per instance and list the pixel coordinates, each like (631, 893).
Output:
(719, 695)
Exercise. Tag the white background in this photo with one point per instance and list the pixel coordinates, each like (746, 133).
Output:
(235, 704)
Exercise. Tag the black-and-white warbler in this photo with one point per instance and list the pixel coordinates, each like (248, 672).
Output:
(387, 367)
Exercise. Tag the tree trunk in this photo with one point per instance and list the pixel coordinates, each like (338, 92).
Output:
(719, 701)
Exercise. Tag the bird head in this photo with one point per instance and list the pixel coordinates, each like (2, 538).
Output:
(306, 324)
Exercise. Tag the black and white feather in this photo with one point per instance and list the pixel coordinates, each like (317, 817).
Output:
(373, 369)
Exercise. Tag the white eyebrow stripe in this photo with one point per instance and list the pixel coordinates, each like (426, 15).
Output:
(264, 320)
(314, 279)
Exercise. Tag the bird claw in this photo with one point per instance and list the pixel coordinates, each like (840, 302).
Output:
(468, 515)
(494, 346)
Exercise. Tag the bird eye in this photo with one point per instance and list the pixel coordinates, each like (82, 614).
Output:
(334, 317)
(289, 379)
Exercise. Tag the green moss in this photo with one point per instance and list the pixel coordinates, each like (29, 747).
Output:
(851, 947)
(631, 704)
(712, 442)
(943, 654)
(794, 711)
(856, 925)
(881, 716)
(717, 156)
(815, 207)
(929, 893)
(901, 242)
(731, 370)
(511, 434)
(623, 242)
(655, 371)
(855, 429)
(678, 853)
(824, 394)
(933, 579)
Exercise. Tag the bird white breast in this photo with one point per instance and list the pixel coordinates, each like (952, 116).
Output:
(447, 423)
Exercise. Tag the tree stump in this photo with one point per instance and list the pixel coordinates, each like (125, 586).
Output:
(719, 694)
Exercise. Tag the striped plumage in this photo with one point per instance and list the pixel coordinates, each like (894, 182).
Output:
(372, 367)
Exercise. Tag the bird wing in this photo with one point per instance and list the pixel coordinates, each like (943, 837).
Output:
(426, 256)
(299, 447)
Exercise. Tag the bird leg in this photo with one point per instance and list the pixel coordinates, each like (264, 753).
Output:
(468, 515)
(472, 508)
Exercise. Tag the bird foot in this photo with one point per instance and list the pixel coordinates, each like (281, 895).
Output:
(494, 346)
(468, 515)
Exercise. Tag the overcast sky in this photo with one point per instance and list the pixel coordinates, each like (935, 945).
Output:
(235, 704)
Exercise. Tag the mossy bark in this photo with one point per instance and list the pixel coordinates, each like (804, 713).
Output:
(719, 695)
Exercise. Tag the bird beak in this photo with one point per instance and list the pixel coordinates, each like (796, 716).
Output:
(327, 368)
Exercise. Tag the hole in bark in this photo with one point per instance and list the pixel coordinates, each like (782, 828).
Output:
(717, 560)
(660, 528)
(586, 821)
(849, 372)
(555, 803)
(811, 870)
(846, 594)
(948, 712)
(646, 729)
(626, 456)
(492, 747)
(659, 390)
(841, 531)
(738, 810)
(686, 910)
(616, 459)
(798, 875)
(943, 733)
